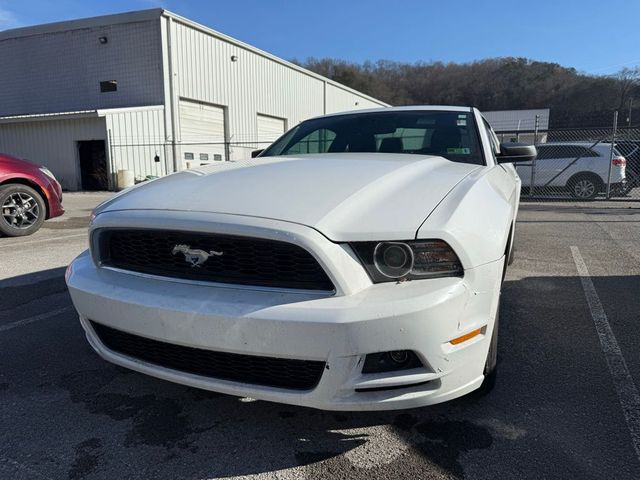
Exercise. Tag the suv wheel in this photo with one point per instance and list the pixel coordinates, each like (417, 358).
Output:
(23, 210)
(584, 186)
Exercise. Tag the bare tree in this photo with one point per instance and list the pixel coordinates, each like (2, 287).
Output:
(576, 99)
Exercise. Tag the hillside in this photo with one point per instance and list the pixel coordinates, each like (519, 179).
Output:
(576, 99)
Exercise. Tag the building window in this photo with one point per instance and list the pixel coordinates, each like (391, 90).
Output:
(204, 157)
(217, 157)
(188, 156)
(109, 86)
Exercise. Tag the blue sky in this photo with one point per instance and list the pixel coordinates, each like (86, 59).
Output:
(589, 35)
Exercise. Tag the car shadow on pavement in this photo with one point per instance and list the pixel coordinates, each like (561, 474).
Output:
(66, 413)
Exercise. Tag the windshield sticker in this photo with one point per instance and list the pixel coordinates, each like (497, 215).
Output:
(462, 122)
(459, 151)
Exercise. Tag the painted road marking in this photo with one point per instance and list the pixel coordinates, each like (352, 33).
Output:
(622, 380)
(36, 318)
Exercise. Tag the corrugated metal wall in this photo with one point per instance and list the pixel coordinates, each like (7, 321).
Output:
(62, 71)
(52, 143)
(155, 62)
(219, 72)
(341, 100)
(514, 120)
(136, 137)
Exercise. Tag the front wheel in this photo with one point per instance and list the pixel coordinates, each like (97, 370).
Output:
(492, 357)
(23, 210)
(490, 366)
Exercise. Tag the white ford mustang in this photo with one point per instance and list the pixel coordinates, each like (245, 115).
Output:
(355, 264)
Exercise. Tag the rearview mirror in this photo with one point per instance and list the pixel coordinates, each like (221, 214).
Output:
(255, 153)
(516, 152)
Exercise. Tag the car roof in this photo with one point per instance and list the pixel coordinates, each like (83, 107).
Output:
(406, 108)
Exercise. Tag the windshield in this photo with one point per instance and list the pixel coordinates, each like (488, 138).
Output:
(452, 135)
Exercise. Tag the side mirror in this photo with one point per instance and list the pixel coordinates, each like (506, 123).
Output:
(255, 153)
(516, 152)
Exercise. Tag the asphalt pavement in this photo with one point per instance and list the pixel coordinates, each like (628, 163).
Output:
(565, 403)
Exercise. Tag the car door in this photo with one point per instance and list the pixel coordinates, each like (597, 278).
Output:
(564, 161)
(549, 162)
(550, 167)
(525, 169)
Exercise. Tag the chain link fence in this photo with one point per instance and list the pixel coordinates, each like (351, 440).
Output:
(152, 158)
(580, 164)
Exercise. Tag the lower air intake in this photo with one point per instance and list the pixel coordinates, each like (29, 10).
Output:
(257, 370)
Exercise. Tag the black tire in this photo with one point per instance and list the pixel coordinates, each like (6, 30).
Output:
(22, 210)
(585, 186)
(490, 366)
(512, 242)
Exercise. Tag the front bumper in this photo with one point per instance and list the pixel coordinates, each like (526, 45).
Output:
(53, 192)
(337, 329)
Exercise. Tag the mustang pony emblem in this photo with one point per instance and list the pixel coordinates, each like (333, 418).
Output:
(194, 256)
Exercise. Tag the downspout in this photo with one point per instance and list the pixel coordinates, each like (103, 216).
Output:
(172, 107)
(324, 97)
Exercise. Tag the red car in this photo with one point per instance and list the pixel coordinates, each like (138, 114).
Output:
(29, 194)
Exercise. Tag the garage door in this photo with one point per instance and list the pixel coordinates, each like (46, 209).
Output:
(269, 129)
(202, 133)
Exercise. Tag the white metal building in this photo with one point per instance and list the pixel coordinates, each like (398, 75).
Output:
(150, 92)
(518, 120)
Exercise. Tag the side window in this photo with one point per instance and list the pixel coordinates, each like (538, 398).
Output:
(544, 153)
(590, 153)
(564, 151)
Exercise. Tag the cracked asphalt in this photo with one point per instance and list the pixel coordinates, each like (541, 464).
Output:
(557, 410)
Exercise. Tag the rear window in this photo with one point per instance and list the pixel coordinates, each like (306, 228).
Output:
(452, 135)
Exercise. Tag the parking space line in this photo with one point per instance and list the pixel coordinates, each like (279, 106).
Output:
(36, 318)
(622, 380)
(64, 237)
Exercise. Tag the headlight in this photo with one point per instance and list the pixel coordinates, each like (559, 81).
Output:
(410, 260)
(47, 172)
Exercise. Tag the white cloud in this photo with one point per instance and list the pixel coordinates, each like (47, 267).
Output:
(7, 19)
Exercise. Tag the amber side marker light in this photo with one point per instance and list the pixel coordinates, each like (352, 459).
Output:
(466, 336)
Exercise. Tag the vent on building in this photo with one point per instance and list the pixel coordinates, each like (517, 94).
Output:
(204, 157)
(217, 157)
(188, 156)
(109, 86)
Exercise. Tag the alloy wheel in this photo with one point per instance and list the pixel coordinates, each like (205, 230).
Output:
(20, 210)
(584, 188)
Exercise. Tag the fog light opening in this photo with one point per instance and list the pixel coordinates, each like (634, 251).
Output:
(391, 361)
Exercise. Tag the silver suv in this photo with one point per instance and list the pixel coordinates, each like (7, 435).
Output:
(581, 168)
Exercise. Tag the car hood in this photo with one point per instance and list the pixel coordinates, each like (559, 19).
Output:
(346, 197)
